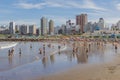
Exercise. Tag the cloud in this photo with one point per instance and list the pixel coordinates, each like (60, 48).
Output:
(112, 20)
(30, 5)
(92, 5)
(87, 4)
(118, 6)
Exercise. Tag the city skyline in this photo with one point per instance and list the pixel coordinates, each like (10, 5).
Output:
(30, 12)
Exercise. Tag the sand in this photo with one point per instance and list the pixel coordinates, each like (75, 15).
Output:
(103, 71)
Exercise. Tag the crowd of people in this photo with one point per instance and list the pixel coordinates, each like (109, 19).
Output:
(77, 46)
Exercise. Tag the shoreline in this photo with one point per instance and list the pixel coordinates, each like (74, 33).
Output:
(53, 39)
(29, 40)
(100, 71)
(38, 58)
(91, 71)
(103, 71)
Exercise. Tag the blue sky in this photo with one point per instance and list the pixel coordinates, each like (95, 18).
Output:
(30, 11)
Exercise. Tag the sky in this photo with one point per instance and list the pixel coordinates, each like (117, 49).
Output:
(31, 11)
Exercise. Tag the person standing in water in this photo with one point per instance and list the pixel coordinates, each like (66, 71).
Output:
(116, 46)
(9, 52)
(40, 51)
(44, 48)
(19, 51)
(30, 46)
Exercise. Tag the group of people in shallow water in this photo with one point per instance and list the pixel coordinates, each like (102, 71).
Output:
(75, 46)
(10, 52)
(87, 46)
(41, 50)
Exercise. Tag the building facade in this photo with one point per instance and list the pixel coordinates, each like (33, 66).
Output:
(24, 29)
(51, 27)
(32, 29)
(44, 26)
(12, 27)
(118, 25)
(101, 24)
(82, 21)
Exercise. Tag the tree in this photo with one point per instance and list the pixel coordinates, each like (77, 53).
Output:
(17, 31)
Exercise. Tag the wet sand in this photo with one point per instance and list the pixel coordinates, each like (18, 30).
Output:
(106, 71)
(94, 63)
(100, 71)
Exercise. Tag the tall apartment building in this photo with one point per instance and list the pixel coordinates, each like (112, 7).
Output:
(118, 25)
(51, 27)
(43, 26)
(12, 27)
(101, 24)
(32, 29)
(24, 29)
(81, 20)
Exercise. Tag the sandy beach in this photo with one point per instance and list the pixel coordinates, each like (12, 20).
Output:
(106, 71)
(75, 61)
(101, 71)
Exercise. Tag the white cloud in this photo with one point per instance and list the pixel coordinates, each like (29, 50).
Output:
(87, 4)
(112, 20)
(55, 4)
(30, 5)
(92, 5)
(118, 6)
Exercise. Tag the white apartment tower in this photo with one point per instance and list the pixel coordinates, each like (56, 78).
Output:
(51, 27)
(12, 27)
(32, 29)
(24, 29)
(44, 26)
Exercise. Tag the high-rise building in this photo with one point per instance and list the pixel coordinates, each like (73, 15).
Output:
(24, 29)
(88, 27)
(51, 27)
(37, 31)
(43, 26)
(101, 24)
(118, 25)
(32, 29)
(66, 28)
(12, 27)
(81, 20)
(56, 29)
(17, 28)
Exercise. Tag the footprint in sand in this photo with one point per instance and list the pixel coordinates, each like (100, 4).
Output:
(111, 69)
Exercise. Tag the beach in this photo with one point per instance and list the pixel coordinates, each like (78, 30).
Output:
(64, 60)
(106, 71)
(99, 71)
